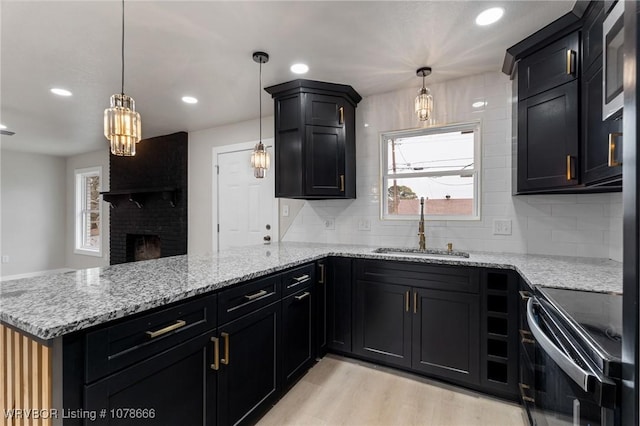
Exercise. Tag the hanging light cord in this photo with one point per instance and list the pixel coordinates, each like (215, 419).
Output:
(260, 100)
(422, 75)
(122, 50)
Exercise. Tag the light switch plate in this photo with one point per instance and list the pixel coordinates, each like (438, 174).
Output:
(330, 223)
(285, 210)
(364, 225)
(5, 259)
(502, 227)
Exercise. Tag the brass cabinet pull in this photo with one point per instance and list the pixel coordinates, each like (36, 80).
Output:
(613, 137)
(526, 337)
(225, 360)
(570, 169)
(322, 272)
(302, 278)
(255, 295)
(177, 325)
(525, 398)
(406, 301)
(341, 183)
(524, 295)
(570, 61)
(415, 302)
(341, 110)
(216, 354)
(303, 296)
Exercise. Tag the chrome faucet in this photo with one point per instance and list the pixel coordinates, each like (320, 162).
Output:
(422, 241)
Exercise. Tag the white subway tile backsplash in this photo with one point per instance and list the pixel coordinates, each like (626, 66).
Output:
(563, 224)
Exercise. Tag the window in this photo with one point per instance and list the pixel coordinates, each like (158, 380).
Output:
(88, 211)
(440, 164)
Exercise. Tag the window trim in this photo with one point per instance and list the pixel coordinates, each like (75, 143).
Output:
(476, 126)
(79, 175)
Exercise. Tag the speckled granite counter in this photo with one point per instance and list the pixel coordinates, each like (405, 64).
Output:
(52, 306)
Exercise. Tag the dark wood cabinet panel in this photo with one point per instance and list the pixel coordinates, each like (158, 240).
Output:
(383, 323)
(548, 139)
(322, 307)
(446, 334)
(592, 36)
(178, 385)
(298, 334)
(339, 306)
(549, 67)
(248, 379)
(315, 155)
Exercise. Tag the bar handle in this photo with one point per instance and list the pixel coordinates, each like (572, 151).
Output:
(255, 295)
(570, 61)
(571, 173)
(526, 337)
(157, 333)
(302, 278)
(302, 296)
(341, 110)
(524, 295)
(225, 360)
(406, 301)
(322, 273)
(216, 354)
(415, 302)
(613, 138)
(525, 398)
(341, 183)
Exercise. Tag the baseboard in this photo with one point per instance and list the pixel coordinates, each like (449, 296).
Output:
(36, 274)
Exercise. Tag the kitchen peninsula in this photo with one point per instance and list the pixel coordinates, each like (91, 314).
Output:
(67, 318)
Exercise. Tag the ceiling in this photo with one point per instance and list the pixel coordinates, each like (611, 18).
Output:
(203, 49)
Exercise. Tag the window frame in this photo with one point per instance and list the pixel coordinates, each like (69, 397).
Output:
(80, 201)
(385, 176)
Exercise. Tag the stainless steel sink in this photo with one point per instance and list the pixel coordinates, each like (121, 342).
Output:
(421, 253)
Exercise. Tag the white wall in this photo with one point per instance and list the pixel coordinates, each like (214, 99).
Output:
(573, 225)
(33, 191)
(200, 171)
(91, 159)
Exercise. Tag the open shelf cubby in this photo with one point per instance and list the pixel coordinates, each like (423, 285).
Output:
(497, 371)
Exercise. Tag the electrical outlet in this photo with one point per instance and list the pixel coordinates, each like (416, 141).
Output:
(364, 225)
(285, 210)
(5, 259)
(502, 227)
(330, 223)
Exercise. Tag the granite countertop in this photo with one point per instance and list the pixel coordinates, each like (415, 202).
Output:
(51, 306)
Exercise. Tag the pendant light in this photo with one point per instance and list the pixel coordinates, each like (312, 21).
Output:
(424, 100)
(121, 121)
(260, 160)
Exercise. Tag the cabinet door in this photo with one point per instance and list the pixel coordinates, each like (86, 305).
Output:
(248, 380)
(176, 387)
(383, 323)
(298, 334)
(592, 36)
(325, 161)
(549, 67)
(323, 110)
(289, 140)
(445, 339)
(339, 305)
(548, 139)
(598, 137)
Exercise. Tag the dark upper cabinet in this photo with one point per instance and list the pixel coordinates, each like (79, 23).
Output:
(548, 139)
(592, 36)
(446, 331)
(315, 155)
(298, 334)
(339, 310)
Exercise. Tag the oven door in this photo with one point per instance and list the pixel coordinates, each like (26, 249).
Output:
(564, 388)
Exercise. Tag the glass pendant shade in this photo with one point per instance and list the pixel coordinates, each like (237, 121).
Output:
(122, 125)
(260, 161)
(424, 104)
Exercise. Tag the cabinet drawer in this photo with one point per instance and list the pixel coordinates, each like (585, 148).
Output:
(438, 277)
(113, 348)
(297, 279)
(246, 298)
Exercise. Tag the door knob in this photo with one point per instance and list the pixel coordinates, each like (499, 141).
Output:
(267, 238)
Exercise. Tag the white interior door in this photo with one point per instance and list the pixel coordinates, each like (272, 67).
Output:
(246, 206)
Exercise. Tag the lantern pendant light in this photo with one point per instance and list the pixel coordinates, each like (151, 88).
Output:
(424, 100)
(260, 160)
(121, 121)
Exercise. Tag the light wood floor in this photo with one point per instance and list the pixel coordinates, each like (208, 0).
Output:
(341, 391)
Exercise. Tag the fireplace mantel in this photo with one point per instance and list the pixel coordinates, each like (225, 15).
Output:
(139, 196)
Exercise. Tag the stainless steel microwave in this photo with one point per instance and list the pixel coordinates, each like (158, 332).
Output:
(613, 62)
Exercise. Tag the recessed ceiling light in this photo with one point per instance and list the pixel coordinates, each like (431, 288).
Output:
(299, 68)
(489, 16)
(189, 100)
(61, 92)
(478, 104)
(2, 127)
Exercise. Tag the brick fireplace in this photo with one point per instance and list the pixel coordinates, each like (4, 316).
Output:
(148, 198)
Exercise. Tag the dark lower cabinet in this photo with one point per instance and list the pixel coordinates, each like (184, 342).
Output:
(174, 387)
(322, 307)
(383, 323)
(248, 379)
(445, 338)
(298, 335)
(339, 306)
